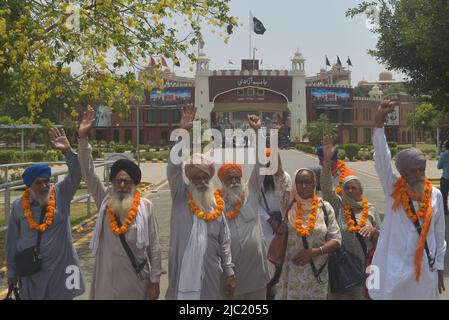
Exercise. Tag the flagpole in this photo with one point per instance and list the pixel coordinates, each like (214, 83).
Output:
(249, 27)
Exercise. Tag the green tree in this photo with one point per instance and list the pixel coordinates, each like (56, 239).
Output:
(361, 91)
(428, 118)
(110, 40)
(315, 131)
(413, 39)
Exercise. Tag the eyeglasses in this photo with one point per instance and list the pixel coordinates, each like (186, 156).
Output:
(306, 182)
(118, 182)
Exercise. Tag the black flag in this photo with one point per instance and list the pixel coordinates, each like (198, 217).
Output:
(258, 26)
(349, 62)
(338, 61)
(327, 62)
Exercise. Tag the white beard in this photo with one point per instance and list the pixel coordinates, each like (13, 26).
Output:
(42, 199)
(233, 193)
(121, 205)
(203, 198)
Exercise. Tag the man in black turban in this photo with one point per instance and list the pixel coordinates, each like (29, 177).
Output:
(124, 219)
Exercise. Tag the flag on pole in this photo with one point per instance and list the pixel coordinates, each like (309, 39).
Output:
(258, 26)
(230, 61)
(327, 62)
(164, 62)
(339, 61)
(349, 62)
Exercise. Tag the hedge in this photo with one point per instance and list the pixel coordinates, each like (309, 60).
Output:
(305, 148)
(351, 150)
(8, 156)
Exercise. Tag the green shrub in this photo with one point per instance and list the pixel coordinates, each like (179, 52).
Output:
(53, 155)
(119, 148)
(161, 155)
(402, 147)
(96, 153)
(364, 155)
(305, 148)
(351, 150)
(8, 156)
(341, 154)
(392, 144)
(33, 156)
(394, 152)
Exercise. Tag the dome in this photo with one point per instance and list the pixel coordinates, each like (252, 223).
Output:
(386, 75)
(362, 82)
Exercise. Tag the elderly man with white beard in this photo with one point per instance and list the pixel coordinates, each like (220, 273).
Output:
(409, 259)
(248, 248)
(40, 219)
(199, 258)
(125, 241)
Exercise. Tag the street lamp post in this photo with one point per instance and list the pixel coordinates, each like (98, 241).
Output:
(138, 136)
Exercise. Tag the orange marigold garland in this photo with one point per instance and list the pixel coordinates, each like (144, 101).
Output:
(343, 172)
(49, 215)
(208, 216)
(352, 225)
(300, 229)
(129, 219)
(401, 195)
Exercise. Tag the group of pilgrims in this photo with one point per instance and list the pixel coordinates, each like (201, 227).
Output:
(220, 238)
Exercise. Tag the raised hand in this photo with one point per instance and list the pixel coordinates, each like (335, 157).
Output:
(59, 139)
(385, 108)
(188, 116)
(87, 123)
(254, 122)
(328, 148)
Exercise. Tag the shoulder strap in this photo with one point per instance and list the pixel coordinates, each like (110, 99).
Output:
(39, 234)
(326, 216)
(418, 227)
(130, 254)
(316, 272)
(359, 236)
(266, 202)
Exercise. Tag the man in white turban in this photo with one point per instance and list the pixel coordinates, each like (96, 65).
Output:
(409, 259)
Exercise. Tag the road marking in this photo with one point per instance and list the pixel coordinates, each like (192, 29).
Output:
(159, 188)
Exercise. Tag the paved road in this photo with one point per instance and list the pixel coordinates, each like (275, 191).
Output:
(292, 160)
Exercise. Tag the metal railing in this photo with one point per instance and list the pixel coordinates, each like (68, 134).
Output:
(8, 186)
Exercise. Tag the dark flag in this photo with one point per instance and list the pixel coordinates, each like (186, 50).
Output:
(327, 62)
(349, 62)
(338, 61)
(258, 26)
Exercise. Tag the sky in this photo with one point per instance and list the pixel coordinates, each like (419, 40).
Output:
(315, 27)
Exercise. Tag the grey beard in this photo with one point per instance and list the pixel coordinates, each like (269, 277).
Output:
(203, 198)
(418, 188)
(122, 204)
(233, 193)
(42, 199)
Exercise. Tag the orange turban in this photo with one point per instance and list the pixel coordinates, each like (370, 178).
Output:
(224, 169)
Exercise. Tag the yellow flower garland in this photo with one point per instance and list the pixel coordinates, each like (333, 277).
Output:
(208, 216)
(300, 229)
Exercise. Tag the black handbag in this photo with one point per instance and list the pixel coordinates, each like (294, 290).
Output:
(345, 269)
(13, 290)
(28, 261)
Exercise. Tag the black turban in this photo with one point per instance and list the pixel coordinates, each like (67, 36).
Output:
(129, 167)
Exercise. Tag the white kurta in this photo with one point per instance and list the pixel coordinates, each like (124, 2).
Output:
(395, 253)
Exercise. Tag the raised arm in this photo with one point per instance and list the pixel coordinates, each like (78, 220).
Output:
(86, 161)
(72, 180)
(174, 171)
(382, 154)
(327, 188)
(256, 179)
